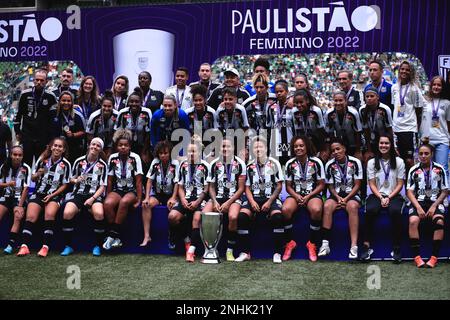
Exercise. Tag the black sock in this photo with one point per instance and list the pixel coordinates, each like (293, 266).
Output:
(68, 231)
(314, 227)
(277, 223)
(13, 237)
(49, 227)
(27, 232)
(99, 230)
(115, 231)
(288, 230)
(232, 236)
(196, 241)
(436, 247)
(326, 234)
(415, 246)
(174, 232)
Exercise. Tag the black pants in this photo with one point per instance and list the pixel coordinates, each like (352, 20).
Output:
(32, 148)
(373, 208)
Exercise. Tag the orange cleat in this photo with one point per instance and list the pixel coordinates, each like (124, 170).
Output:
(24, 251)
(432, 262)
(43, 252)
(419, 262)
(290, 246)
(190, 256)
(312, 251)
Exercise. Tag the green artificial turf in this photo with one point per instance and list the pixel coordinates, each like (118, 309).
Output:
(170, 277)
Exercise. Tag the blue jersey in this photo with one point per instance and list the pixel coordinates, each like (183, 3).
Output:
(252, 91)
(162, 126)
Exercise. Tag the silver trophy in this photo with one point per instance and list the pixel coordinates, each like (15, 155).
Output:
(211, 232)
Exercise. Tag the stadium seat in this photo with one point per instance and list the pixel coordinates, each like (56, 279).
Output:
(261, 236)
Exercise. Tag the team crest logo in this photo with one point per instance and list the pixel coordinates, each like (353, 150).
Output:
(142, 60)
(444, 66)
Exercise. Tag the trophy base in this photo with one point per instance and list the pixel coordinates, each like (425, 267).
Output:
(210, 260)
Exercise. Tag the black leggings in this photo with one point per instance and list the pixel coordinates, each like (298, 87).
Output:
(373, 208)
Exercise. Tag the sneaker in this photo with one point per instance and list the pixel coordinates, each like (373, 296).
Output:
(229, 255)
(67, 251)
(43, 252)
(23, 251)
(432, 262)
(397, 256)
(190, 256)
(353, 254)
(96, 252)
(117, 243)
(243, 257)
(366, 253)
(324, 249)
(312, 251)
(8, 249)
(108, 243)
(419, 262)
(277, 258)
(290, 246)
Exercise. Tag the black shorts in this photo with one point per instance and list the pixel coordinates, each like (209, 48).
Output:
(316, 196)
(79, 200)
(122, 193)
(412, 211)
(179, 207)
(276, 205)
(221, 201)
(406, 144)
(38, 199)
(344, 194)
(162, 198)
(10, 203)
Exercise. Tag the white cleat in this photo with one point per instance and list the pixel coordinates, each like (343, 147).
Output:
(243, 257)
(277, 258)
(324, 249)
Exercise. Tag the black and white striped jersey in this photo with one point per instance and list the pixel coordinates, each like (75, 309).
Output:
(124, 172)
(163, 179)
(205, 119)
(193, 178)
(56, 174)
(378, 120)
(257, 113)
(235, 119)
(263, 179)
(304, 177)
(427, 186)
(95, 175)
(138, 124)
(99, 127)
(344, 126)
(343, 176)
(280, 120)
(22, 177)
(225, 176)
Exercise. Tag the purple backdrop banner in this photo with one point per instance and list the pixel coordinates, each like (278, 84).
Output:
(103, 40)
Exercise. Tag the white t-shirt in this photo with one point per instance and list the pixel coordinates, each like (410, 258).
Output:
(437, 131)
(183, 96)
(405, 119)
(380, 176)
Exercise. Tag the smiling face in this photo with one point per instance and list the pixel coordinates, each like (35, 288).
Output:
(231, 80)
(229, 101)
(65, 102)
(193, 153)
(164, 155)
(301, 102)
(57, 148)
(88, 86)
(436, 87)
(339, 102)
(344, 80)
(94, 148)
(169, 107)
(300, 148)
(134, 102)
(199, 102)
(260, 150)
(119, 86)
(384, 145)
(405, 73)
(227, 149)
(181, 79)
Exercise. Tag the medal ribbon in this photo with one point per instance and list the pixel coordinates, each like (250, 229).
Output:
(343, 173)
(386, 170)
(402, 97)
(435, 110)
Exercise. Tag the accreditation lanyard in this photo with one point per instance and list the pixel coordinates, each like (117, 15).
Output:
(89, 167)
(37, 102)
(403, 96)
(180, 100)
(435, 111)
(386, 170)
(343, 172)
(303, 171)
